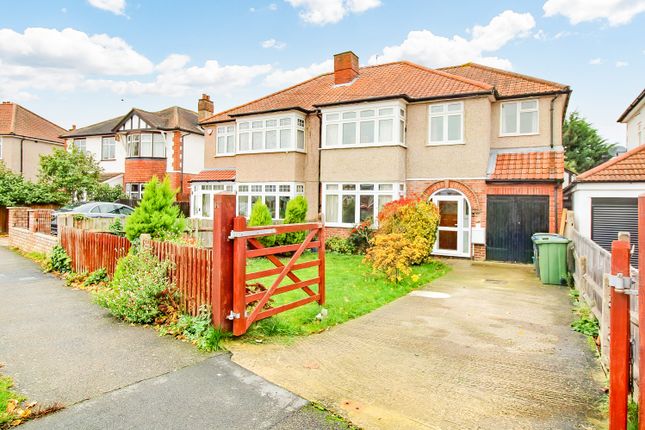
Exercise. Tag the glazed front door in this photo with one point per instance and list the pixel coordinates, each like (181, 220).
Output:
(454, 225)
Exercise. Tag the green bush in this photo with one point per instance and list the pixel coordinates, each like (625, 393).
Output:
(106, 193)
(360, 236)
(197, 329)
(96, 277)
(260, 216)
(116, 227)
(139, 288)
(58, 261)
(339, 245)
(156, 215)
(296, 213)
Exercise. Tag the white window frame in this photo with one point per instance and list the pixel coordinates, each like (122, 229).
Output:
(113, 144)
(225, 131)
(138, 195)
(244, 125)
(199, 189)
(397, 192)
(83, 147)
(519, 110)
(259, 189)
(130, 139)
(334, 115)
(445, 114)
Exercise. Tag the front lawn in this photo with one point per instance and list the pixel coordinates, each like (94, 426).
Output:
(8, 401)
(352, 290)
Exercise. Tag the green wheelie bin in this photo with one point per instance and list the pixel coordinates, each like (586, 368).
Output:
(551, 258)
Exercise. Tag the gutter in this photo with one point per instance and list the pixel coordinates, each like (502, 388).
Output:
(548, 93)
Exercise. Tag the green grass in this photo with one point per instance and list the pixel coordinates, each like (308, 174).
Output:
(7, 394)
(352, 290)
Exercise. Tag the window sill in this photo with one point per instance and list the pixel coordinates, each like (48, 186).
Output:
(340, 225)
(223, 155)
(445, 143)
(268, 151)
(519, 134)
(145, 158)
(108, 159)
(373, 145)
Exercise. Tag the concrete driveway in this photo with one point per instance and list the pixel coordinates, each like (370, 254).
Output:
(495, 351)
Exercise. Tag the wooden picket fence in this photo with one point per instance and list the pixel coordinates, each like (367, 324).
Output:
(90, 251)
(190, 272)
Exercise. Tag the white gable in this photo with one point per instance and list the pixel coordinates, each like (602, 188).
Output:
(134, 123)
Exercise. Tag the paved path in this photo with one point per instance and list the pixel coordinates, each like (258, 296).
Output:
(497, 353)
(60, 347)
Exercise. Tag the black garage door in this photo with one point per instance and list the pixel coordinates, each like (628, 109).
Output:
(612, 215)
(510, 223)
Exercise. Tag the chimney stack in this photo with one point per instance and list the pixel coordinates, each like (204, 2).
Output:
(345, 67)
(205, 107)
(73, 127)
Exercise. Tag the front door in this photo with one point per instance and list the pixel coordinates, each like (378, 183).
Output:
(510, 223)
(453, 236)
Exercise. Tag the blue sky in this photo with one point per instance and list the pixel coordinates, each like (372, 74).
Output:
(83, 61)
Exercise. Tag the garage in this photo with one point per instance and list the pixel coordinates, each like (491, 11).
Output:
(612, 215)
(511, 220)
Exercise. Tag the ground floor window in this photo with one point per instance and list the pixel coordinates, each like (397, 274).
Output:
(202, 197)
(347, 204)
(134, 191)
(274, 195)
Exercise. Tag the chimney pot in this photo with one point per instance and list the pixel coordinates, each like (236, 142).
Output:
(346, 67)
(205, 107)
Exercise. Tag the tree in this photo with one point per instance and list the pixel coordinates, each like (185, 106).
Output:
(74, 172)
(156, 215)
(260, 215)
(106, 193)
(16, 190)
(584, 147)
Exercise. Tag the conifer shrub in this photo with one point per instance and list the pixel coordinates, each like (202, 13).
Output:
(295, 213)
(260, 216)
(156, 215)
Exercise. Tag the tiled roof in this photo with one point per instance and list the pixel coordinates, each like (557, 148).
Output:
(172, 118)
(214, 175)
(106, 176)
(16, 120)
(632, 105)
(400, 79)
(507, 84)
(627, 167)
(538, 165)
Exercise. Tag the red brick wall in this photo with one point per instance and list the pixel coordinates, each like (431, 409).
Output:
(176, 150)
(337, 231)
(27, 241)
(183, 194)
(141, 170)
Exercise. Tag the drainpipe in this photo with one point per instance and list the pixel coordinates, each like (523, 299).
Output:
(552, 144)
(320, 144)
(22, 140)
(551, 119)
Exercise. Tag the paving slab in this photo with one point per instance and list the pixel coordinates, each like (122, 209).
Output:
(492, 350)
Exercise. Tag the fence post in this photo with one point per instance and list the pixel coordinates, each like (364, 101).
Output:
(619, 338)
(321, 257)
(222, 260)
(239, 278)
(641, 311)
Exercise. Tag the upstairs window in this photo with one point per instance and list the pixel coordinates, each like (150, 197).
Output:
(519, 118)
(149, 145)
(108, 148)
(270, 134)
(364, 127)
(446, 123)
(226, 140)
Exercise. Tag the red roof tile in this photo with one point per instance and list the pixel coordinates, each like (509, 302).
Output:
(214, 175)
(16, 120)
(400, 79)
(627, 167)
(541, 166)
(507, 84)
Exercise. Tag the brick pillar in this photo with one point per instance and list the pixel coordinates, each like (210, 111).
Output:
(18, 217)
(32, 220)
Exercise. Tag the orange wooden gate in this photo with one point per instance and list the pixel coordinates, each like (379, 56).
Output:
(253, 305)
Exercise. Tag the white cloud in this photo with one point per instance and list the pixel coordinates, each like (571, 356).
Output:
(321, 12)
(622, 64)
(616, 12)
(596, 61)
(282, 78)
(48, 47)
(273, 7)
(117, 7)
(424, 47)
(272, 43)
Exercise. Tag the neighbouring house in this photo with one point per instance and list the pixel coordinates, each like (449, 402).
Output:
(605, 199)
(24, 137)
(484, 144)
(133, 148)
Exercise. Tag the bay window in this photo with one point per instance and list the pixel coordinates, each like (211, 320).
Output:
(202, 197)
(348, 204)
(150, 145)
(274, 195)
(519, 118)
(270, 134)
(108, 148)
(226, 140)
(364, 126)
(446, 124)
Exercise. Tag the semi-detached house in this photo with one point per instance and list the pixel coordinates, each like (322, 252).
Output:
(483, 144)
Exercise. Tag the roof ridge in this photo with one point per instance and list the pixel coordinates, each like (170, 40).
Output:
(610, 162)
(450, 75)
(509, 73)
(631, 106)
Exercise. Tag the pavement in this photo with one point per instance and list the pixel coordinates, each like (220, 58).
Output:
(60, 347)
(484, 347)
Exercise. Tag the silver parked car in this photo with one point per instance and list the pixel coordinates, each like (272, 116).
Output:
(92, 210)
